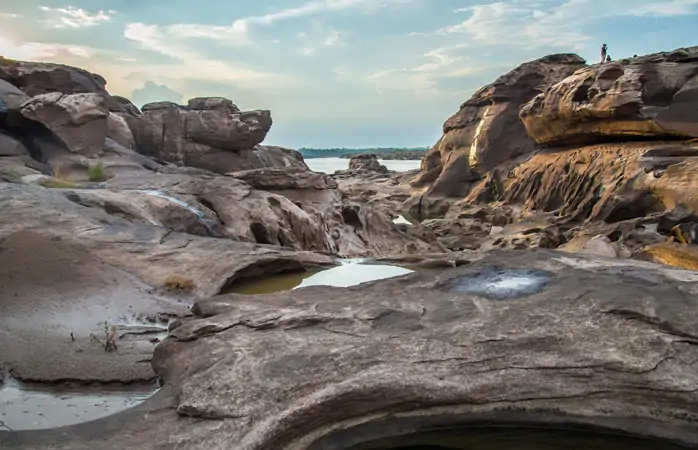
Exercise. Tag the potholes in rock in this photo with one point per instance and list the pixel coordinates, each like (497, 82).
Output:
(40, 406)
(499, 283)
(349, 273)
(493, 437)
(260, 233)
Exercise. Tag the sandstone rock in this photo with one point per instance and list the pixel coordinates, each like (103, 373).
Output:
(486, 131)
(154, 254)
(10, 146)
(129, 107)
(216, 137)
(213, 103)
(534, 337)
(11, 96)
(79, 121)
(50, 289)
(35, 78)
(652, 96)
(119, 131)
(281, 179)
(366, 162)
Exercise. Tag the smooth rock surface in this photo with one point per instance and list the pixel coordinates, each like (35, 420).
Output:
(598, 342)
(366, 162)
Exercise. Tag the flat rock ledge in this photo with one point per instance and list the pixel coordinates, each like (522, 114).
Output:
(531, 336)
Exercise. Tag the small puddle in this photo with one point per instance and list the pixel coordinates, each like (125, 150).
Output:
(498, 283)
(37, 406)
(349, 273)
(400, 220)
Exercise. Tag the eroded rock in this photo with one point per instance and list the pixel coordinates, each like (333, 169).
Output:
(487, 131)
(651, 96)
(79, 121)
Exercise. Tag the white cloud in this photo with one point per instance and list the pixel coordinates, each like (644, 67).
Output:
(39, 51)
(189, 63)
(10, 15)
(308, 51)
(666, 8)
(332, 39)
(72, 17)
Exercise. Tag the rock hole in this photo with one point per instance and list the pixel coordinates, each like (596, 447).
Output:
(581, 95)
(262, 269)
(640, 207)
(260, 233)
(615, 236)
(350, 215)
(273, 201)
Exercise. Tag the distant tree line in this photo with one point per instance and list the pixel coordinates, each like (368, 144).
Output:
(309, 153)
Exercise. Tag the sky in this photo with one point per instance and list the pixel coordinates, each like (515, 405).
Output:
(334, 73)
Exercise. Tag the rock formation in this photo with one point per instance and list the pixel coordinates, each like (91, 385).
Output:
(366, 162)
(647, 97)
(518, 338)
(486, 131)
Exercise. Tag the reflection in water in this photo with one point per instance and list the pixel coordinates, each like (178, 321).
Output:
(350, 273)
(509, 438)
(34, 407)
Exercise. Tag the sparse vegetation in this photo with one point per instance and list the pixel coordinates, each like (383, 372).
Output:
(53, 183)
(108, 340)
(96, 173)
(179, 283)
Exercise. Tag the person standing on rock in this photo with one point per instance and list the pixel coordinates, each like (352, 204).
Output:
(604, 52)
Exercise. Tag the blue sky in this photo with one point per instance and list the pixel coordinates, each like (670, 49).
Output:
(333, 72)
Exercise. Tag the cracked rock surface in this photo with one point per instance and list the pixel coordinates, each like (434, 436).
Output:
(536, 336)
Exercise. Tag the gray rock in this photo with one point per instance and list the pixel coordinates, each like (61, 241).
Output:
(546, 338)
(10, 146)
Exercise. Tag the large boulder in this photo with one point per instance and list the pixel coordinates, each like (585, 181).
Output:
(487, 131)
(209, 133)
(79, 121)
(654, 96)
(366, 162)
(35, 78)
(119, 130)
(536, 338)
(11, 146)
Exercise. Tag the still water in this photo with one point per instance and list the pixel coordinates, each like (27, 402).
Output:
(36, 406)
(330, 165)
(350, 273)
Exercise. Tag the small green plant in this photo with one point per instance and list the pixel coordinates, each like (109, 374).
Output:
(53, 183)
(108, 340)
(96, 173)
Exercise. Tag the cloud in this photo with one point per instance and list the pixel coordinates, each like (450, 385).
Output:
(189, 64)
(308, 51)
(332, 39)
(72, 17)
(667, 8)
(41, 51)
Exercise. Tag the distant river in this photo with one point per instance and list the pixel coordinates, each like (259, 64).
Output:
(330, 165)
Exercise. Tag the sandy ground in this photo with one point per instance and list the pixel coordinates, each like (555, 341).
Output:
(54, 297)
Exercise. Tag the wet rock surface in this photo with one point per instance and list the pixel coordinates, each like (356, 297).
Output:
(602, 342)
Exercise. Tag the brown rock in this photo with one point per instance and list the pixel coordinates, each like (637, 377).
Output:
(79, 121)
(216, 137)
(366, 162)
(652, 96)
(487, 131)
(35, 78)
(119, 130)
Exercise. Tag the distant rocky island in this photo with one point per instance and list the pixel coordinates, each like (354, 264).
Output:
(391, 153)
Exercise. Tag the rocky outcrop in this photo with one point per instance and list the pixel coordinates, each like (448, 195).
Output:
(654, 96)
(10, 146)
(487, 131)
(366, 162)
(209, 133)
(35, 78)
(78, 121)
(522, 338)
